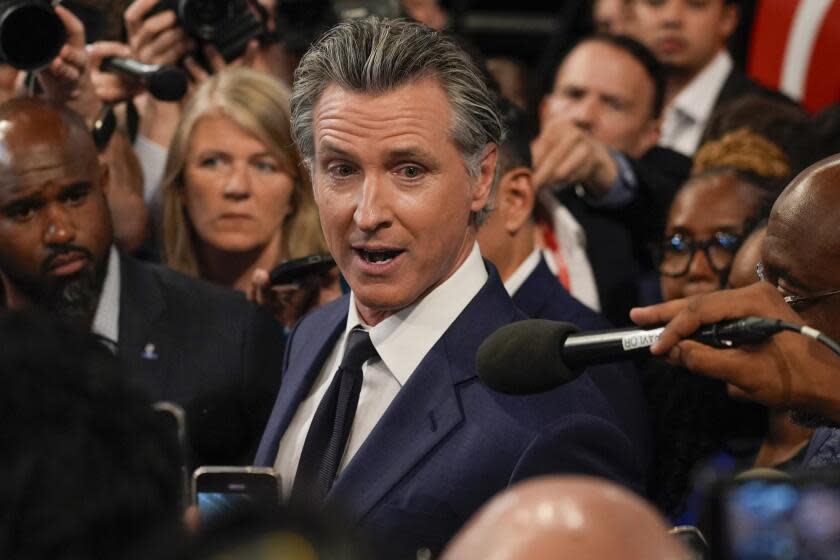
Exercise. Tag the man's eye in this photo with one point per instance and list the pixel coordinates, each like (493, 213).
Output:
(20, 212)
(341, 170)
(411, 172)
(75, 196)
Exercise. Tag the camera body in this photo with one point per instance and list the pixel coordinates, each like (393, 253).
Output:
(228, 25)
(31, 33)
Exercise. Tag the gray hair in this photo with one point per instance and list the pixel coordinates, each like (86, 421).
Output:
(375, 55)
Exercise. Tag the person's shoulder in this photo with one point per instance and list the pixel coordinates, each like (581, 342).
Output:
(738, 84)
(182, 291)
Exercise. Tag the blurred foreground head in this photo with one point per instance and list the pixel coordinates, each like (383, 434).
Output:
(565, 517)
(88, 469)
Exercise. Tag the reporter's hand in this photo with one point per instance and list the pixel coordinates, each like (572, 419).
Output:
(789, 370)
(62, 80)
(217, 62)
(157, 39)
(290, 302)
(109, 86)
(563, 153)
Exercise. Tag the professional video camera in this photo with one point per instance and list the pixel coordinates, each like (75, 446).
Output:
(31, 33)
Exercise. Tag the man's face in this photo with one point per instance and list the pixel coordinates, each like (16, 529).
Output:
(393, 192)
(55, 230)
(801, 256)
(685, 34)
(608, 93)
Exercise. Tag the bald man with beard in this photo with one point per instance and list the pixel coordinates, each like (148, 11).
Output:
(801, 268)
(176, 338)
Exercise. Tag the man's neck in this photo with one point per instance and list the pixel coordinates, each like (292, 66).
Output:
(520, 248)
(679, 78)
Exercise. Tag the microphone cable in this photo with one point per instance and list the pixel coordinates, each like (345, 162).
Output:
(763, 328)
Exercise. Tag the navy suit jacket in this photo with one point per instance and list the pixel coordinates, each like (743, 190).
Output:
(447, 443)
(541, 296)
(205, 348)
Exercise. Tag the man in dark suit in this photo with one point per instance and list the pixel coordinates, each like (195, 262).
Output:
(507, 240)
(596, 158)
(381, 412)
(689, 39)
(179, 339)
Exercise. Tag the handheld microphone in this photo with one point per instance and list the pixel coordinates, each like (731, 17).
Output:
(537, 355)
(167, 83)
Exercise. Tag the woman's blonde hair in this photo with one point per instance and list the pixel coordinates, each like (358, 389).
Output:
(260, 105)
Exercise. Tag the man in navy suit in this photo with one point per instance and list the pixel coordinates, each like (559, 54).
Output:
(507, 240)
(381, 413)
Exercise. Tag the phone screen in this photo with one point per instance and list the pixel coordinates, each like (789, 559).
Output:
(783, 519)
(218, 493)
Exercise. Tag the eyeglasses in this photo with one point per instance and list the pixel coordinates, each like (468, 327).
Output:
(793, 301)
(677, 252)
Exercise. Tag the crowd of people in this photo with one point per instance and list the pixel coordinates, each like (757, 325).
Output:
(141, 240)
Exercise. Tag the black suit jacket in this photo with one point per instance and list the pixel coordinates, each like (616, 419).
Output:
(205, 348)
(541, 296)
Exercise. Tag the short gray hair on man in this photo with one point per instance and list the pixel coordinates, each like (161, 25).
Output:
(374, 55)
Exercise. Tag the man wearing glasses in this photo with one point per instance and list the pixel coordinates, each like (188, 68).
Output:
(801, 272)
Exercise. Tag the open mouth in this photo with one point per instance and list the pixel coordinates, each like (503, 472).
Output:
(378, 257)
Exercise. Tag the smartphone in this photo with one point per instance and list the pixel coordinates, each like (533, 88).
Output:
(292, 271)
(174, 418)
(217, 490)
(777, 517)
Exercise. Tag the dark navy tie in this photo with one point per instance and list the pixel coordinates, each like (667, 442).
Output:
(330, 428)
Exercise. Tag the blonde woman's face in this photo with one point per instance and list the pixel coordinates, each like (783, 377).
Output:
(236, 193)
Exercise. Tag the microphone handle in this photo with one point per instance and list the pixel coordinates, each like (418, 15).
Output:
(130, 68)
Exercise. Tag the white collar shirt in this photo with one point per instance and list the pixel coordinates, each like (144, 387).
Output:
(522, 272)
(401, 341)
(688, 114)
(106, 320)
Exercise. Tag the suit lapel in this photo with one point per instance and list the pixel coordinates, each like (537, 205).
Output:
(145, 345)
(427, 408)
(532, 294)
(295, 388)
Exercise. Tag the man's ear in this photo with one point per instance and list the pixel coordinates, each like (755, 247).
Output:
(729, 20)
(516, 197)
(483, 187)
(649, 136)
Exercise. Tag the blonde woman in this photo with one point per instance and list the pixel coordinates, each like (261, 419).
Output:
(236, 199)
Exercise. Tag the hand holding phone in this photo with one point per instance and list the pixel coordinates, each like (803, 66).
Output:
(217, 490)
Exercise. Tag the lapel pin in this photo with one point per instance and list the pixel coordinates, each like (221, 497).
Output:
(149, 352)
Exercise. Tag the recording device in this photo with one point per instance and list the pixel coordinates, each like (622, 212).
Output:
(220, 490)
(292, 271)
(775, 516)
(167, 83)
(537, 355)
(173, 417)
(228, 25)
(31, 33)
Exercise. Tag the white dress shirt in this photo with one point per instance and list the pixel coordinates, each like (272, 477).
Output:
(688, 114)
(106, 321)
(572, 241)
(522, 272)
(402, 341)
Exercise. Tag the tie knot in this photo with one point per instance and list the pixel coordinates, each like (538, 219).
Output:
(358, 350)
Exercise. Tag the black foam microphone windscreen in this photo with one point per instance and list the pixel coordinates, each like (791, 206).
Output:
(524, 357)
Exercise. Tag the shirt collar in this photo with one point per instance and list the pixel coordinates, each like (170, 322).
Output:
(697, 99)
(106, 321)
(515, 281)
(403, 339)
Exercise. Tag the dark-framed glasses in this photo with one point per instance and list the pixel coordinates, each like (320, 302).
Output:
(794, 301)
(677, 252)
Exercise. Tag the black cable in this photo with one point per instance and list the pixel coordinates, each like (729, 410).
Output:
(754, 330)
(812, 333)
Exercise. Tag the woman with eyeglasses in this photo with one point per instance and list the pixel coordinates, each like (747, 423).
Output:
(733, 184)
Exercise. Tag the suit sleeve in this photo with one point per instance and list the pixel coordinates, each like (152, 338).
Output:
(584, 445)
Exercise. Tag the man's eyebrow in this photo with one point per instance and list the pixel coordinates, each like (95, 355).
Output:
(328, 148)
(411, 153)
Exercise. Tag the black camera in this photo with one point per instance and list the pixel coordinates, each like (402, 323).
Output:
(228, 25)
(31, 33)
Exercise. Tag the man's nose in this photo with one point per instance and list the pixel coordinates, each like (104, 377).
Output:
(671, 13)
(373, 209)
(61, 228)
(584, 114)
(238, 183)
